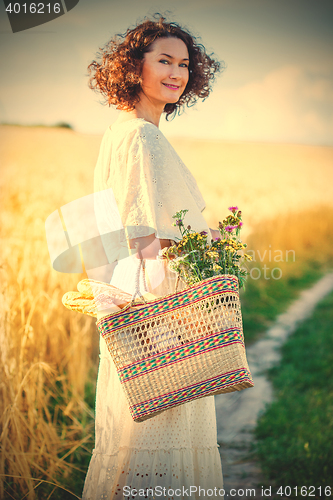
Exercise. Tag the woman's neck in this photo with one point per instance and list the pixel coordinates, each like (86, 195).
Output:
(143, 109)
(147, 110)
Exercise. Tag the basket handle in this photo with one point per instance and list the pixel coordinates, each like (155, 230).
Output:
(142, 264)
(178, 276)
(176, 284)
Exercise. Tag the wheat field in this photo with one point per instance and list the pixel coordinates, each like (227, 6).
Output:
(265, 180)
(49, 355)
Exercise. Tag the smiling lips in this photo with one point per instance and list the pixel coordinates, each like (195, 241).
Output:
(172, 87)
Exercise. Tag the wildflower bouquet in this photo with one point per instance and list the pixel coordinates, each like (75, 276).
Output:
(194, 259)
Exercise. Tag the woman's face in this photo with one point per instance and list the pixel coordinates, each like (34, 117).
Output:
(165, 71)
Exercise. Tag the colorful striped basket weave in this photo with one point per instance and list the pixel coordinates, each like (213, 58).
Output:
(180, 347)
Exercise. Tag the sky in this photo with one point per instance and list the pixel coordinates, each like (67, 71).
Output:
(277, 85)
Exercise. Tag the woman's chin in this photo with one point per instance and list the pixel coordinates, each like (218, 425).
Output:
(173, 101)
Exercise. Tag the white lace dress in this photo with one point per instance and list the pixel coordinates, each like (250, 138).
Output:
(177, 449)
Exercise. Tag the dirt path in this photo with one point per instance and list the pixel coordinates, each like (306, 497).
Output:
(237, 412)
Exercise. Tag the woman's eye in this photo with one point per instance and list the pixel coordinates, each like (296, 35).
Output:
(165, 61)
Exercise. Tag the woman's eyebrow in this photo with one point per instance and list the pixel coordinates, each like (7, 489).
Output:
(171, 57)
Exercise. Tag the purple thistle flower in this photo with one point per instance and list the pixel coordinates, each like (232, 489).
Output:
(240, 224)
(203, 233)
(229, 229)
(233, 209)
(179, 222)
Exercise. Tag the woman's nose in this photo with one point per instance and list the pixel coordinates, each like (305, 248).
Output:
(175, 71)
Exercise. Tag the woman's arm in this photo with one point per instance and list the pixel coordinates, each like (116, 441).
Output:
(149, 246)
(215, 233)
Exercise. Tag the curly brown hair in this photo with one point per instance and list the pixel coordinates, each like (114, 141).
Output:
(117, 72)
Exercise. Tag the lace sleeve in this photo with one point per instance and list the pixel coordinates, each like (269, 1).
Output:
(154, 186)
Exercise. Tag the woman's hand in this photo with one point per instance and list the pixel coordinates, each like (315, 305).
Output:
(148, 246)
(215, 233)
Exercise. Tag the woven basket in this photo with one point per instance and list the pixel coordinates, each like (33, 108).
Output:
(180, 347)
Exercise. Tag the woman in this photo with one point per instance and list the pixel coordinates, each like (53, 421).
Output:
(155, 68)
